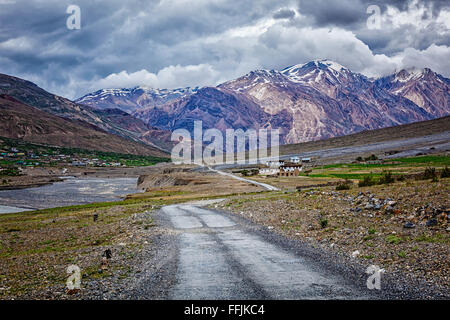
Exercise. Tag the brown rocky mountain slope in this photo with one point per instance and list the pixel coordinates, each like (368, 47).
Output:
(21, 121)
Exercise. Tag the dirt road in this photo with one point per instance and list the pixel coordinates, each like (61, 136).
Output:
(264, 185)
(215, 255)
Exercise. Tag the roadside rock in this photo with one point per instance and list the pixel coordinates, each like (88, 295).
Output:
(409, 225)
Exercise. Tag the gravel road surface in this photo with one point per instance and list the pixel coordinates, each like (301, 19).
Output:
(210, 254)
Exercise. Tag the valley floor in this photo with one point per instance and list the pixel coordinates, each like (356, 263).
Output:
(146, 248)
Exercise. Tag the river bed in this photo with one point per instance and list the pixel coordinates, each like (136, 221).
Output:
(71, 191)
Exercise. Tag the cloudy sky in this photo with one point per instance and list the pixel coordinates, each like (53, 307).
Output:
(177, 43)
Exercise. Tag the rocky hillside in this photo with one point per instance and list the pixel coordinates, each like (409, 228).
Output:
(425, 88)
(114, 121)
(21, 121)
(312, 101)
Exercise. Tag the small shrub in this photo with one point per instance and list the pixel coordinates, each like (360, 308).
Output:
(372, 231)
(430, 173)
(386, 178)
(402, 254)
(371, 158)
(359, 159)
(10, 172)
(345, 185)
(401, 177)
(323, 223)
(367, 181)
(445, 173)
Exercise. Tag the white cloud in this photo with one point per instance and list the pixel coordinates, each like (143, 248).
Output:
(272, 44)
(413, 16)
(170, 77)
(20, 44)
(437, 58)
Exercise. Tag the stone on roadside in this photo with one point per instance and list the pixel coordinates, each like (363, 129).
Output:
(389, 209)
(355, 253)
(409, 225)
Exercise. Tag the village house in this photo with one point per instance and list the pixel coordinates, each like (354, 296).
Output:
(290, 169)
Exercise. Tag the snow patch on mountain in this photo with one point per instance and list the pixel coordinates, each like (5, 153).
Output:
(162, 95)
(315, 71)
(410, 74)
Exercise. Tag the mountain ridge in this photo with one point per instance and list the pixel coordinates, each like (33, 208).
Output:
(29, 123)
(315, 100)
(126, 126)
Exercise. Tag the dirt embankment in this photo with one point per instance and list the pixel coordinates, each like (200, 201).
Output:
(168, 177)
(184, 180)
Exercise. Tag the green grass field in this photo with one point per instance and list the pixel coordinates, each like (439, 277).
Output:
(428, 160)
(357, 171)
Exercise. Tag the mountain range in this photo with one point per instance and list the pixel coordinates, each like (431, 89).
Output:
(35, 115)
(312, 101)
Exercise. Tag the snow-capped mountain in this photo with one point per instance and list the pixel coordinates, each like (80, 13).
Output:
(315, 71)
(327, 76)
(315, 100)
(425, 88)
(130, 100)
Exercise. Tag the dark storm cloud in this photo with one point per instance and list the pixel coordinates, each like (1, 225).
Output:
(352, 15)
(353, 12)
(390, 41)
(284, 14)
(340, 13)
(168, 42)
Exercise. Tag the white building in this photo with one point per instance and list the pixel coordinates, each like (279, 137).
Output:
(295, 159)
(275, 164)
(269, 171)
